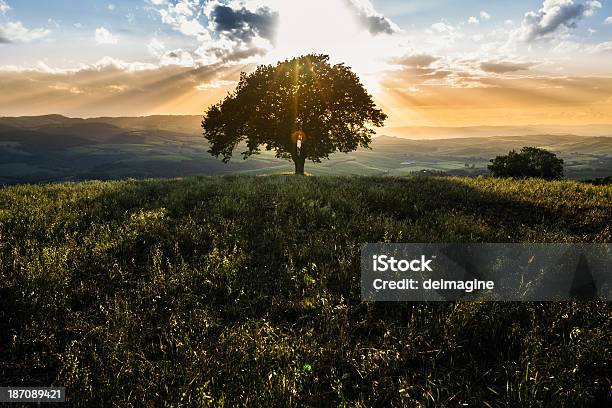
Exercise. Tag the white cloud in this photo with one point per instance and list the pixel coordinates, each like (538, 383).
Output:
(103, 36)
(111, 7)
(473, 20)
(53, 23)
(156, 48)
(158, 2)
(484, 15)
(182, 16)
(215, 84)
(15, 32)
(104, 64)
(443, 31)
(608, 20)
(603, 47)
(442, 27)
(110, 62)
(4, 7)
(590, 7)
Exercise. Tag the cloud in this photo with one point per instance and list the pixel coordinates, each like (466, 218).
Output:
(183, 17)
(111, 7)
(591, 6)
(64, 87)
(112, 87)
(4, 7)
(178, 57)
(156, 48)
(232, 31)
(603, 47)
(503, 67)
(444, 31)
(608, 20)
(555, 15)
(215, 84)
(484, 15)
(415, 60)
(15, 32)
(242, 24)
(103, 36)
(442, 27)
(372, 19)
(473, 20)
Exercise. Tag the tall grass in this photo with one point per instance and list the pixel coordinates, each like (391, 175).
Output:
(245, 291)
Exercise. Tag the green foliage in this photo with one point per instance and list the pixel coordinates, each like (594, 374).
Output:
(600, 181)
(529, 162)
(303, 108)
(244, 291)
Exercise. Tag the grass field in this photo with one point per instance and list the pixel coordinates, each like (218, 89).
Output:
(244, 290)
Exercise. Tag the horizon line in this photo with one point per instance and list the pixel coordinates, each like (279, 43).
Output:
(384, 127)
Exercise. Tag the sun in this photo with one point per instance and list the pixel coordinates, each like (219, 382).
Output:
(331, 27)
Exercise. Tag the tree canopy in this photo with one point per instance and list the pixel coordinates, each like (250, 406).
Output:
(529, 162)
(303, 109)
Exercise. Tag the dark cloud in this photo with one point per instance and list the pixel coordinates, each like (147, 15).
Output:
(374, 21)
(243, 24)
(4, 40)
(502, 67)
(233, 54)
(555, 15)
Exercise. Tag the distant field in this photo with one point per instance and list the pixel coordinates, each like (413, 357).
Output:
(54, 148)
(244, 291)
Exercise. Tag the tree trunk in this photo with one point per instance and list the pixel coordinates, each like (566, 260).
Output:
(299, 166)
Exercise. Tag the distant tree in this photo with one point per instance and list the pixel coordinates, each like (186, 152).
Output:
(600, 181)
(529, 162)
(303, 108)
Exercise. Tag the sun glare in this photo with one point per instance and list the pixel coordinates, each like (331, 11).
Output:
(329, 27)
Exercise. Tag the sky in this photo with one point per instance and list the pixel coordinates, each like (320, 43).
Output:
(427, 63)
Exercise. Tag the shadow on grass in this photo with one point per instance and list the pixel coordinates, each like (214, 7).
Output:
(247, 288)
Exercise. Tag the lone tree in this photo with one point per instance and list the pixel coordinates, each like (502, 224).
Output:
(529, 162)
(303, 108)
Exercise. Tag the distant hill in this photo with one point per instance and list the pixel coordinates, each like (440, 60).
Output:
(183, 124)
(57, 148)
(427, 132)
(498, 144)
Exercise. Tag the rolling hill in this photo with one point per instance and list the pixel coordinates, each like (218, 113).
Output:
(56, 148)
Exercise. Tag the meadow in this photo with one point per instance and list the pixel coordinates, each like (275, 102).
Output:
(244, 291)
